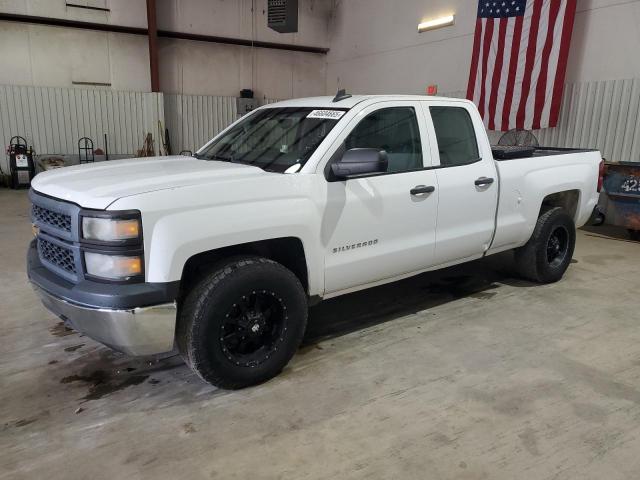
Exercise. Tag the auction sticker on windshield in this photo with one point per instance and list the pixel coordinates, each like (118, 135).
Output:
(328, 114)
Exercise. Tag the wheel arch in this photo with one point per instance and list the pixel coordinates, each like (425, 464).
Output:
(569, 200)
(288, 251)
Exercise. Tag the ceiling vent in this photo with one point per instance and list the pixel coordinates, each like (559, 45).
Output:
(283, 15)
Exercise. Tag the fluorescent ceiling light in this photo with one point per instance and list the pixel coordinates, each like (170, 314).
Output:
(437, 23)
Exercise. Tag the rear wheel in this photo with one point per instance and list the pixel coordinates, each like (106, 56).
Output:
(634, 234)
(243, 322)
(548, 253)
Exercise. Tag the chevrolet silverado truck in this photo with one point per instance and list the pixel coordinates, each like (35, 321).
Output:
(222, 252)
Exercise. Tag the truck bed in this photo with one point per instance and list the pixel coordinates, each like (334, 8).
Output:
(504, 152)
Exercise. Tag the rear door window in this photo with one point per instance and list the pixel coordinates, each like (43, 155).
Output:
(456, 136)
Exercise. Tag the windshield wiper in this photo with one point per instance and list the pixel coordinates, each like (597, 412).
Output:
(214, 157)
(221, 158)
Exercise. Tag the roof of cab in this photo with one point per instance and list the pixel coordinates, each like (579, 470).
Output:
(327, 102)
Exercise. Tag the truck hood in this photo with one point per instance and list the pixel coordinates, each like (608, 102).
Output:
(100, 184)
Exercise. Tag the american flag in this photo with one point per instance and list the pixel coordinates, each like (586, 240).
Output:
(520, 52)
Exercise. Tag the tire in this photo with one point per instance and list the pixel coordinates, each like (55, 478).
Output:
(242, 323)
(547, 254)
(634, 235)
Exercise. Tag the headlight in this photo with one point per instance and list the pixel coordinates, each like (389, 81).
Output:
(110, 229)
(120, 233)
(112, 267)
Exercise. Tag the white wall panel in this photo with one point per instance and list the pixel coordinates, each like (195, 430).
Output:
(54, 119)
(375, 46)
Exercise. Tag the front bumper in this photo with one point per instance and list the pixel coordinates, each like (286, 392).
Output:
(136, 319)
(136, 331)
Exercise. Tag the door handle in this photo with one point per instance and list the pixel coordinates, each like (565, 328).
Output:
(484, 181)
(422, 189)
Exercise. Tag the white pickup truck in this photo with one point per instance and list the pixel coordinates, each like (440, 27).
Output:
(221, 253)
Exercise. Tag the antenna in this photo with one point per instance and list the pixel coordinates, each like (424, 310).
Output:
(341, 95)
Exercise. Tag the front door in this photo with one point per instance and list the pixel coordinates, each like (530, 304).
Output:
(382, 226)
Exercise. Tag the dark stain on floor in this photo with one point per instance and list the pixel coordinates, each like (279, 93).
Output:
(189, 428)
(103, 389)
(74, 348)
(23, 422)
(105, 372)
(95, 378)
(61, 330)
(102, 384)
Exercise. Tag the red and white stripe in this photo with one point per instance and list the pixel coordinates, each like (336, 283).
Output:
(519, 64)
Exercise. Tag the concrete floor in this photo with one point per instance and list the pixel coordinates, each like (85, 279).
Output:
(466, 373)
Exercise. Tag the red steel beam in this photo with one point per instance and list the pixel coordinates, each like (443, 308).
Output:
(104, 27)
(152, 26)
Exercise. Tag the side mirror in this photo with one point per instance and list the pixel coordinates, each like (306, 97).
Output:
(360, 161)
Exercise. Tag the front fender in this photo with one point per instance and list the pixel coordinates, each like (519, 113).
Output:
(175, 230)
(178, 237)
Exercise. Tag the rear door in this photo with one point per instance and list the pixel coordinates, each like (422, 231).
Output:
(467, 181)
(374, 227)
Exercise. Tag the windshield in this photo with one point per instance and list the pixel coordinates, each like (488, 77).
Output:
(274, 139)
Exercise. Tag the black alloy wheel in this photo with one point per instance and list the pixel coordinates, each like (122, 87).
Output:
(253, 328)
(557, 246)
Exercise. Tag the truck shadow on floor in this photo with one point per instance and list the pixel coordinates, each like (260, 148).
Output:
(348, 313)
(609, 232)
(95, 372)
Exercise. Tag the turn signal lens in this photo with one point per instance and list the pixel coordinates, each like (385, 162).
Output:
(110, 230)
(112, 267)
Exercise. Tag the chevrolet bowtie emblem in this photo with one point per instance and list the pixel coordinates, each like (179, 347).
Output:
(35, 230)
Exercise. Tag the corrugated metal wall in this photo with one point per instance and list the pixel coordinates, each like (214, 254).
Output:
(604, 115)
(53, 119)
(193, 120)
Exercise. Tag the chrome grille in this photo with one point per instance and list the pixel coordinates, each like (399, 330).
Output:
(49, 217)
(56, 255)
